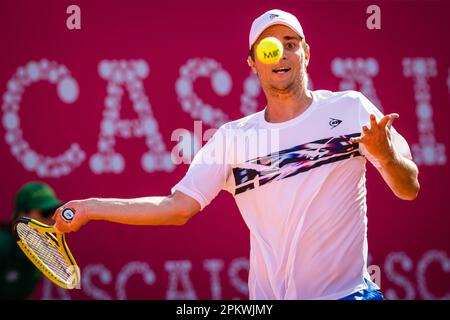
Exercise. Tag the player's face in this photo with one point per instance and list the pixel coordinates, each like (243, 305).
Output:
(294, 61)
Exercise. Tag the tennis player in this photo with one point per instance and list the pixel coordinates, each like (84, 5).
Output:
(304, 203)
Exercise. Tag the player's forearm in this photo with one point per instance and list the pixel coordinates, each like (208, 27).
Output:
(401, 175)
(138, 211)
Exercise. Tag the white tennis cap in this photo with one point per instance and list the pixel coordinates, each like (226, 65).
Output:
(270, 18)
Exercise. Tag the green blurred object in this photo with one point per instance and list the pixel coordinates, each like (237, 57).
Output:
(18, 276)
(35, 196)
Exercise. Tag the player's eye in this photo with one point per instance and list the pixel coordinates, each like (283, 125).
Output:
(290, 45)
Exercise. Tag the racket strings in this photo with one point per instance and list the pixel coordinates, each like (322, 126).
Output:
(46, 252)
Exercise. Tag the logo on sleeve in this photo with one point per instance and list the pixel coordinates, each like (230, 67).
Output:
(334, 122)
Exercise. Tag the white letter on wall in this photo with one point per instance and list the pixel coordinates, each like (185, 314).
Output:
(67, 89)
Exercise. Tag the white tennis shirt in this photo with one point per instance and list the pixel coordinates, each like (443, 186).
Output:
(303, 199)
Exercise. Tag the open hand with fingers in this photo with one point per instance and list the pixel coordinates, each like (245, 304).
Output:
(71, 216)
(377, 139)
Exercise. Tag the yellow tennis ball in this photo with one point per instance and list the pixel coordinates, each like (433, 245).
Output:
(269, 50)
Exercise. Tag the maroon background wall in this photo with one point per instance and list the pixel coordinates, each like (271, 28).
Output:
(153, 61)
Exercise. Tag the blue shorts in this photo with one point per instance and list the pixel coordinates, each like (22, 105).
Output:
(371, 293)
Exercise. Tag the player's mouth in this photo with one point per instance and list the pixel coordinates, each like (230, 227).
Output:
(281, 70)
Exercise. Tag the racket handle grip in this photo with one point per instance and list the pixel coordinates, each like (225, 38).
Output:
(68, 214)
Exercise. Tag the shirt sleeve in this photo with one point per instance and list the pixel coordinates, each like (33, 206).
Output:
(208, 171)
(366, 108)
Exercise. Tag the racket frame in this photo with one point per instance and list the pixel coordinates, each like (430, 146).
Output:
(58, 240)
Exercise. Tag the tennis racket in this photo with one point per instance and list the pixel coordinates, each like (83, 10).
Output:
(48, 250)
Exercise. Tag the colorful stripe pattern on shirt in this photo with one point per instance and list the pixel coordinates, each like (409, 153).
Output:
(292, 161)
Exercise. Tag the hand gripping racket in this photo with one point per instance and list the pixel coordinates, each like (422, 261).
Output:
(48, 249)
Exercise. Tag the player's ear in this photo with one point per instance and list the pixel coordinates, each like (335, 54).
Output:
(251, 64)
(307, 54)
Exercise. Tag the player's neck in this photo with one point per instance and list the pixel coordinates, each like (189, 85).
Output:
(281, 108)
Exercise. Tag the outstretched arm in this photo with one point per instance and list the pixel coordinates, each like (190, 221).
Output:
(400, 173)
(175, 209)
